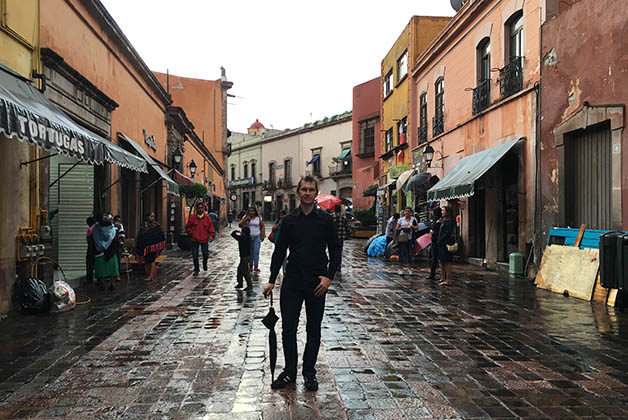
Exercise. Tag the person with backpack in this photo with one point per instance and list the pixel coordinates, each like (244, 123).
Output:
(406, 226)
(244, 247)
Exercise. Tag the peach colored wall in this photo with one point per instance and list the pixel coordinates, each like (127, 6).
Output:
(90, 49)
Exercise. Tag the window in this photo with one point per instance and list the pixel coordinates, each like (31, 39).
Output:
(389, 139)
(316, 166)
(233, 173)
(388, 84)
(423, 118)
(484, 60)
(402, 66)
(253, 174)
(402, 128)
(271, 173)
(367, 136)
(245, 170)
(515, 29)
(253, 198)
(287, 172)
(438, 121)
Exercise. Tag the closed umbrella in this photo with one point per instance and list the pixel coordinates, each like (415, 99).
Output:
(269, 321)
(403, 178)
(327, 201)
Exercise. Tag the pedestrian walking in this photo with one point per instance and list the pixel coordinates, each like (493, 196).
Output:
(254, 222)
(90, 256)
(117, 223)
(308, 232)
(244, 248)
(214, 217)
(446, 237)
(150, 242)
(342, 230)
(391, 226)
(230, 217)
(106, 243)
(276, 229)
(406, 226)
(201, 229)
(434, 230)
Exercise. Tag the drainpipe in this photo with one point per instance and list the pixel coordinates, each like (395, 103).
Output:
(538, 228)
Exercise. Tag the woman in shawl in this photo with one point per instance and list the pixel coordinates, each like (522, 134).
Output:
(106, 244)
(150, 242)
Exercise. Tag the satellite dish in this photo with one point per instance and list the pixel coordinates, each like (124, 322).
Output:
(456, 4)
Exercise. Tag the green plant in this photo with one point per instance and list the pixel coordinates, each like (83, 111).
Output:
(370, 191)
(366, 217)
(193, 191)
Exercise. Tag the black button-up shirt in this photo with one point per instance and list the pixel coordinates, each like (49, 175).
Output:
(307, 237)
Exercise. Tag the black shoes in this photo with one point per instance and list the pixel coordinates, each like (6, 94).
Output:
(195, 273)
(282, 381)
(311, 384)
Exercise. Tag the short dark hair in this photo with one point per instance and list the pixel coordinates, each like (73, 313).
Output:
(396, 216)
(116, 217)
(200, 203)
(90, 221)
(307, 178)
(336, 208)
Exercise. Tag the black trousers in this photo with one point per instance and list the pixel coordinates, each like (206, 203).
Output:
(291, 301)
(243, 271)
(434, 254)
(204, 249)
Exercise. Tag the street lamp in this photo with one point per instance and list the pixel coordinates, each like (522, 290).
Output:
(192, 166)
(428, 153)
(176, 156)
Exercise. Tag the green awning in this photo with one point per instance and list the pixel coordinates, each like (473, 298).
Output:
(344, 154)
(460, 181)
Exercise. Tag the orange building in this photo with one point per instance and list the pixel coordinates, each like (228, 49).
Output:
(475, 104)
(205, 103)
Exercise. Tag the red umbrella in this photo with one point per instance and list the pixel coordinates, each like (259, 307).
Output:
(327, 201)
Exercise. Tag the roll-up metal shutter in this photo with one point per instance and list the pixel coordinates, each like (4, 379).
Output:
(588, 171)
(76, 202)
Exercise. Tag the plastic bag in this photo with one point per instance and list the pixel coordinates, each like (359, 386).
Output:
(32, 296)
(62, 297)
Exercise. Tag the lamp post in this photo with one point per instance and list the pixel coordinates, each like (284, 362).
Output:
(192, 166)
(176, 157)
(428, 153)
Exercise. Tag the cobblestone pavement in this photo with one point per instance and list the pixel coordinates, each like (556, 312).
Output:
(393, 348)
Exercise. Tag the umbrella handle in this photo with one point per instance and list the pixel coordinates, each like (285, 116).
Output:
(271, 298)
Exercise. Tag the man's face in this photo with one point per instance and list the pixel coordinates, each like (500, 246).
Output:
(200, 209)
(307, 192)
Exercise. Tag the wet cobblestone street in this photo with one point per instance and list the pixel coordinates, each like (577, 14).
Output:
(393, 347)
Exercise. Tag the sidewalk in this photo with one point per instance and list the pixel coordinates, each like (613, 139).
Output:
(393, 348)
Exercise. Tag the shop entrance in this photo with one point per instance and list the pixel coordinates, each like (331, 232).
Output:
(477, 223)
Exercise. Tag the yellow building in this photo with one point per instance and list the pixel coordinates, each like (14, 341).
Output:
(19, 197)
(397, 127)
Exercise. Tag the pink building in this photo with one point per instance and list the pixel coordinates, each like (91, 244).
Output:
(367, 139)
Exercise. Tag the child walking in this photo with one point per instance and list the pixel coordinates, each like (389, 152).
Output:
(244, 245)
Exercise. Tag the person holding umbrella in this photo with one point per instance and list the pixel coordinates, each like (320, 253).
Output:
(308, 232)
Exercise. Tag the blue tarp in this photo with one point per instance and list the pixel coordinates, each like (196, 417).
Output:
(377, 247)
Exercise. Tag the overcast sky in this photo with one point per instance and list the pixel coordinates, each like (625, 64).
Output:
(291, 61)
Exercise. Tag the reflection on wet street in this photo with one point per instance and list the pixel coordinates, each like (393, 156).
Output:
(393, 348)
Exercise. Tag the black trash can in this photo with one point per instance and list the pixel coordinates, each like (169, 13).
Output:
(622, 261)
(609, 277)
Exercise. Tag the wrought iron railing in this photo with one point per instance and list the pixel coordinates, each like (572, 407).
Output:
(367, 149)
(438, 124)
(511, 77)
(422, 134)
(482, 96)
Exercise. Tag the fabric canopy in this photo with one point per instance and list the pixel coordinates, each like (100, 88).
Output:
(417, 181)
(344, 154)
(180, 178)
(171, 186)
(26, 114)
(403, 178)
(314, 159)
(460, 181)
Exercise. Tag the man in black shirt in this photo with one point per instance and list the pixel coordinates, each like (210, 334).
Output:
(307, 232)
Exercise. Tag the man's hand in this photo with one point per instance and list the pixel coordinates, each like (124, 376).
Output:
(268, 288)
(323, 286)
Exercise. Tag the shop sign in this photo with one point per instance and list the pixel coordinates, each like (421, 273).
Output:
(417, 157)
(395, 171)
(149, 140)
(242, 182)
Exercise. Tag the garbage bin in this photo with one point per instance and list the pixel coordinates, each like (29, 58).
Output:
(609, 277)
(515, 264)
(622, 261)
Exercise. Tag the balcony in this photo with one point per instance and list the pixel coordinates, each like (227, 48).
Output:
(341, 169)
(482, 96)
(270, 185)
(284, 183)
(511, 77)
(438, 124)
(422, 134)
